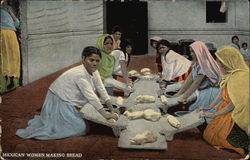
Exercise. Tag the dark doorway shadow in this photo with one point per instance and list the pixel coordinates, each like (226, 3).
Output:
(133, 19)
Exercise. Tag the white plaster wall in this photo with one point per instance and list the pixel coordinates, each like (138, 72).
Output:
(55, 32)
(186, 19)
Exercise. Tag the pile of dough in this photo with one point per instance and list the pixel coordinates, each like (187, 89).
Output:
(173, 121)
(119, 101)
(146, 71)
(145, 99)
(164, 99)
(133, 114)
(133, 73)
(145, 137)
(151, 115)
(148, 114)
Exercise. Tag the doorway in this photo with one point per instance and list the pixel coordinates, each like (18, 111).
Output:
(132, 17)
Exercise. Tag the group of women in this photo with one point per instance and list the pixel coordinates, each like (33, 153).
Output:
(81, 85)
(221, 86)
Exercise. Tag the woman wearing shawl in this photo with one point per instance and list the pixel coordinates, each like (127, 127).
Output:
(204, 78)
(175, 67)
(153, 44)
(230, 125)
(105, 45)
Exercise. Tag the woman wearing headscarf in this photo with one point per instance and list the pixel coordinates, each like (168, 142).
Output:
(106, 68)
(204, 78)
(230, 125)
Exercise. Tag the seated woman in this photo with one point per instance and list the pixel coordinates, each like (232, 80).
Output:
(122, 58)
(244, 52)
(204, 78)
(116, 34)
(74, 88)
(175, 67)
(153, 44)
(105, 45)
(230, 125)
(235, 42)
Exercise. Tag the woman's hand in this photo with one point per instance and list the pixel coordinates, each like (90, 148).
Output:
(177, 94)
(182, 100)
(130, 84)
(207, 115)
(116, 111)
(114, 116)
(204, 108)
(159, 74)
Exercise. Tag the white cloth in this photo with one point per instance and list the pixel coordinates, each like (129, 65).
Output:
(119, 56)
(78, 87)
(174, 65)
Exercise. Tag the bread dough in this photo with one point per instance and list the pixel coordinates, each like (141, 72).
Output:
(145, 70)
(133, 114)
(150, 114)
(120, 101)
(164, 99)
(173, 121)
(145, 99)
(145, 137)
(133, 73)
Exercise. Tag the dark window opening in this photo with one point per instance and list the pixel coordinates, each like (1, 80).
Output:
(213, 13)
(133, 19)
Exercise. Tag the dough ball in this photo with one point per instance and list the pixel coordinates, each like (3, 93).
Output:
(133, 114)
(145, 99)
(145, 137)
(145, 70)
(173, 121)
(152, 115)
(120, 101)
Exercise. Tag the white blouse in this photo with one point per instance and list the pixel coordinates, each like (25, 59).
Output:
(78, 87)
(174, 65)
(119, 56)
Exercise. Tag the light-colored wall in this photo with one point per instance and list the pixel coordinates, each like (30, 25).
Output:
(184, 19)
(54, 34)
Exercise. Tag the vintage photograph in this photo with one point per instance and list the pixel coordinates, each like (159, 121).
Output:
(124, 80)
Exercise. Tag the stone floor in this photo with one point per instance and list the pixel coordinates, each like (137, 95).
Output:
(21, 105)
